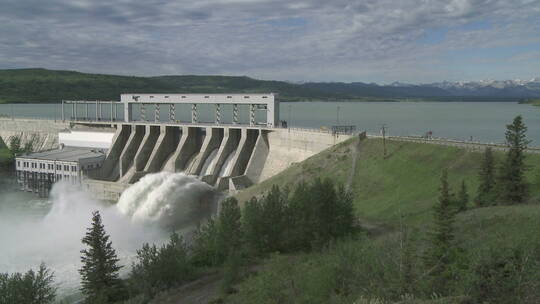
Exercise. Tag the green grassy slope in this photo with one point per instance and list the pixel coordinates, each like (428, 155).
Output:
(405, 182)
(41, 85)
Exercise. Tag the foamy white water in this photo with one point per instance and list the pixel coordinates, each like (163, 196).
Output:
(165, 198)
(156, 201)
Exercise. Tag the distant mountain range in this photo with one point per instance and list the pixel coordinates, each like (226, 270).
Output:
(41, 85)
(460, 90)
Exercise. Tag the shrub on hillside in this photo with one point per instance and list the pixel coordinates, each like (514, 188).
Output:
(160, 268)
(214, 240)
(318, 212)
(506, 275)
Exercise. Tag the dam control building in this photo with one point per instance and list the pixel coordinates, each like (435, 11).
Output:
(36, 172)
(229, 141)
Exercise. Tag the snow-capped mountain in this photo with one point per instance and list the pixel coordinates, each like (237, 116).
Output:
(515, 89)
(502, 88)
(500, 84)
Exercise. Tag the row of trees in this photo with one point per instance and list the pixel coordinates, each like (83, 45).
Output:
(281, 221)
(33, 287)
(506, 182)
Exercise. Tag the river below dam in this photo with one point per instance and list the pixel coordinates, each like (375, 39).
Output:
(34, 230)
(481, 121)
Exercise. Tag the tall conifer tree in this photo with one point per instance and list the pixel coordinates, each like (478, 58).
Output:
(463, 197)
(439, 254)
(100, 280)
(486, 174)
(251, 225)
(513, 187)
(273, 220)
(229, 226)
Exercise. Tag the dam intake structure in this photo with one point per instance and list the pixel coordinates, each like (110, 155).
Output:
(241, 144)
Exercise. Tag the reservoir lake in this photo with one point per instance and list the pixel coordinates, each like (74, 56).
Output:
(481, 121)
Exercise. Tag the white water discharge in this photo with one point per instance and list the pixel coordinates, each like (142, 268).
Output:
(209, 163)
(166, 199)
(191, 162)
(227, 165)
(34, 231)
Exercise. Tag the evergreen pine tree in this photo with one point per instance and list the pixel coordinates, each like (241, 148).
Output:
(229, 228)
(463, 197)
(513, 187)
(205, 251)
(100, 280)
(273, 223)
(300, 217)
(486, 187)
(251, 226)
(344, 221)
(439, 253)
(160, 268)
(15, 145)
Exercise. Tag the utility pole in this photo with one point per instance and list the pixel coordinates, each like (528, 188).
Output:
(384, 140)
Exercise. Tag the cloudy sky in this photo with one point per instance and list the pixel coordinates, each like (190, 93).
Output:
(382, 41)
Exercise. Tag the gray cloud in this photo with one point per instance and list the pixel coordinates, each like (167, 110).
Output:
(307, 40)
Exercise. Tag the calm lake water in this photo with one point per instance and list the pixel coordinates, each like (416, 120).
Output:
(484, 121)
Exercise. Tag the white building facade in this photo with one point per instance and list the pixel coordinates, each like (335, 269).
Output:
(37, 172)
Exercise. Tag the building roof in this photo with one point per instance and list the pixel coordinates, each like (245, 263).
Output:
(70, 154)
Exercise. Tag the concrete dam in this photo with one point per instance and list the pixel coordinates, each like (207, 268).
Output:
(227, 155)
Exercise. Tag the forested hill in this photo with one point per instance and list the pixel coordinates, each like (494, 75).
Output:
(41, 85)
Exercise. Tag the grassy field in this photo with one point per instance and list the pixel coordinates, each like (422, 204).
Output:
(405, 182)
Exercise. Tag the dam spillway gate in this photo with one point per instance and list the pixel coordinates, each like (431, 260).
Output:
(226, 157)
(218, 151)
